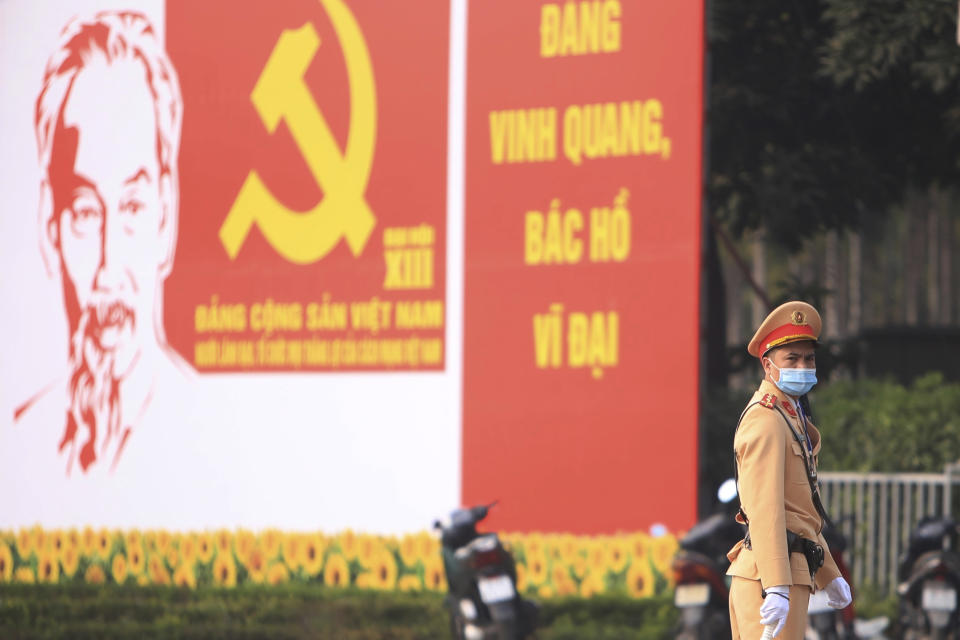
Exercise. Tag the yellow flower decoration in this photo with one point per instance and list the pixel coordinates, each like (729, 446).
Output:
(119, 568)
(618, 554)
(205, 548)
(88, 541)
(311, 554)
(224, 541)
(535, 544)
(143, 580)
(25, 575)
(270, 541)
(410, 583)
(56, 540)
(433, 576)
(365, 580)
(277, 574)
(243, 544)
(593, 584)
(6, 563)
(348, 544)
(95, 575)
(368, 547)
(337, 572)
(189, 548)
(291, 550)
(24, 543)
(38, 539)
(639, 546)
(173, 557)
(536, 567)
(662, 550)
(104, 543)
(545, 591)
(225, 571)
(150, 541)
(158, 572)
(256, 564)
(579, 566)
(135, 558)
(185, 577)
(70, 560)
(429, 546)
(408, 551)
(640, 580)
(164, 541)
(597, 557)
(522, 582)
(560, 574)
(133, 538)
(384, 570)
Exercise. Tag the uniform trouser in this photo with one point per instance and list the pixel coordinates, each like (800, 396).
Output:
(745, 603)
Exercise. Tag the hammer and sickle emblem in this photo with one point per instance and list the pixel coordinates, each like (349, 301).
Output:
(281, 93)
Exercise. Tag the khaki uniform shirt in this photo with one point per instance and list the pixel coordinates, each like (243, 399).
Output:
(775, 495)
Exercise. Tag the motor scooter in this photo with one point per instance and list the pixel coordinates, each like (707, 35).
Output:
(482, 598)
(929, 575)
(699, 568)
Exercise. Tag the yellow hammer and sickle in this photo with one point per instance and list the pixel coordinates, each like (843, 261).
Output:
(282, 94)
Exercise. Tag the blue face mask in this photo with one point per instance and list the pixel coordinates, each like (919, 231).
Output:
(795, 382)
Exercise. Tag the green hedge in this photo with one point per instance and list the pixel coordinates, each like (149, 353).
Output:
(79, 611)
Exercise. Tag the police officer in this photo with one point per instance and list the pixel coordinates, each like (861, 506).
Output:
(783, 556)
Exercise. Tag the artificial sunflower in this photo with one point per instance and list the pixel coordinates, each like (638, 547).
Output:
(224, 541)
(434, 577)
(291, 550)
(597, 557)
(158, 572)
(172, 556)
(384, 570)
(429, 546)
(348, 544)
(188, 548)
(205, 548)
(368, 548)
(88, 541)
(536, 567)
(270, 541)
(640, 580)
(337, 572)
(277, 574)
(56, 541)
(25, 575)
(243, 543)
(69, 560)
(150, 541)
(618, 554)
(163, 540)
(591, 585)
(104, 542)
(6, 563)
(48, 567)
(185, 577)
(119, 568)
(545, 591)
(133, 537)
(256, 564)
(38, 538)
(24, 544)
(662, 550)
(95, 574)
(408, 551)
(579, 565)
(311, 554)
(639, 545)
(135, 558)
(225, 571)
(534, 543)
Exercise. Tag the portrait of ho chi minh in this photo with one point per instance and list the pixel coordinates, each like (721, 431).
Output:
(108, 120)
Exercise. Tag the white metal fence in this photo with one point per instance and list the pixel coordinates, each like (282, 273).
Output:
(878, 511)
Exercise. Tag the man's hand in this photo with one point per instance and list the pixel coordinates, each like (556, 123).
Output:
(775, 608)
(838, 594)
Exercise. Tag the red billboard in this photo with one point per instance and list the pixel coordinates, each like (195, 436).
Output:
(312, 186)
(582, 262)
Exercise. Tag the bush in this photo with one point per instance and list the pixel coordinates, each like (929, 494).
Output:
(79, 611)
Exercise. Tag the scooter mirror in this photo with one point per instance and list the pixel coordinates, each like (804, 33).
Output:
(727, 490)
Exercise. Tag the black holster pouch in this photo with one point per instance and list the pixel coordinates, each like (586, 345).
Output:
(812, 551)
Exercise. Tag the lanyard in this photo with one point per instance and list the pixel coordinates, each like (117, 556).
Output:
(806, 432)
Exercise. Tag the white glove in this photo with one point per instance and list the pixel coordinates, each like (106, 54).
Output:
(775, 608)
(838, 594)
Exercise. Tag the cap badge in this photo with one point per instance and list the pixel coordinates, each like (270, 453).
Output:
(798, 318)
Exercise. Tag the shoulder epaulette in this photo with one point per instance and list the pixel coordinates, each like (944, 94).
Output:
(768, 400)
(788, 408)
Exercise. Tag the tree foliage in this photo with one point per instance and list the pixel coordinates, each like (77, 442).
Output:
(823, 112)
